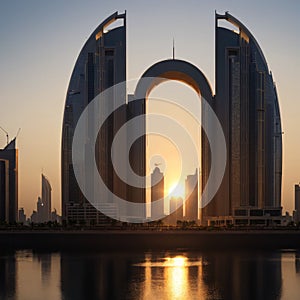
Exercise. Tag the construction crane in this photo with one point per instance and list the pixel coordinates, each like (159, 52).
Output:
(7, 137)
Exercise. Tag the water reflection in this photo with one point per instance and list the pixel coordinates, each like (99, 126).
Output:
(45, 261)
(297, 262)
(169, 277)
(176, 277)
(94, 276)
(244, 275)
(152, 275)
(7, 276)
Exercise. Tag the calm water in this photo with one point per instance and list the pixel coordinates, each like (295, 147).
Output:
(150, 275)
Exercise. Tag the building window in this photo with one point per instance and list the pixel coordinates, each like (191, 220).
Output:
(240, 212)
(109, 52)
(256, 212)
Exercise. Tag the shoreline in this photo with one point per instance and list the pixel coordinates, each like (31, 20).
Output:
(142, 240)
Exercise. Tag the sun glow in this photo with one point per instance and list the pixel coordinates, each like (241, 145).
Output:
(177, 261)
(176, 190)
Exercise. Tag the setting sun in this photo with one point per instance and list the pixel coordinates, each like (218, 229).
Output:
(177, 190)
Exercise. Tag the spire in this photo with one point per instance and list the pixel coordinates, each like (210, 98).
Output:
(173, 49)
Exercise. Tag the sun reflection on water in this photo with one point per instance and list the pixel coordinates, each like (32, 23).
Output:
(177, 261)
(176, 276)
(167, 277)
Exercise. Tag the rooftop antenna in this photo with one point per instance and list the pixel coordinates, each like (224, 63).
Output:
(7, 137)
(173, 49)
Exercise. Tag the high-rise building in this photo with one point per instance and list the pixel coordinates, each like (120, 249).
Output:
(191, 194)
(9, 183)
(245, 103)
(41, 211)
(137, 154)
(34, 217)
(4, 190)
(43, 205)
(157, 193)
(46, 198)
(176, 211)
(55, 217)
(247, 107)
(101, 64)
(297, 203)
(22, 216)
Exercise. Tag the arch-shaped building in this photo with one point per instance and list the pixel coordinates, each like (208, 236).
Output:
(185, 72)
(245, 103)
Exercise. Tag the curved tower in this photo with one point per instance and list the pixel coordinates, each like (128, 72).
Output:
(100, 65)
(247, 106)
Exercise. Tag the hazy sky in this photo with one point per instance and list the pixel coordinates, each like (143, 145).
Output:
(40, 41)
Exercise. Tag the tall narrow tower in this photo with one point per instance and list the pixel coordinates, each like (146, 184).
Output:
(101, 64)
(191, 192)
(247, 107)
(157, 193)
(46, 198)
(9, 183)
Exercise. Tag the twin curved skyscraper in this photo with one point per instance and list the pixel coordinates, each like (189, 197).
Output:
(245, 102)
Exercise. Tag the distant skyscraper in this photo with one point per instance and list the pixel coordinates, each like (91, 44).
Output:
(157, 192)
(191, 192)
(297, 203)
(4, 190)
(46, 197)
(43, 213)
(9, 183)
(22, 216)
(176, 206)
(55, 217)
(34, 217)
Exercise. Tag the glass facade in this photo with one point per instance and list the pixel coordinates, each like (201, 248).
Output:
(245, 103)
(247, 106)
(100, 65)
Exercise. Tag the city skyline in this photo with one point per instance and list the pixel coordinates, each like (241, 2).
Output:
(149, 150)
(43, 160)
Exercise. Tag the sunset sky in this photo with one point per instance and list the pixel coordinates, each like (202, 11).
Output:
(40, 42)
